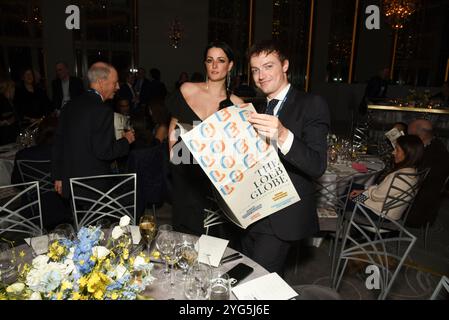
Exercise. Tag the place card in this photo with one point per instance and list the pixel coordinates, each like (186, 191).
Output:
(39, 244)
(268, 287)
(135, 234)
(211, 250)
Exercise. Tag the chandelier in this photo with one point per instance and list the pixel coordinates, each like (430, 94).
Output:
(398, 11)
(175, 33)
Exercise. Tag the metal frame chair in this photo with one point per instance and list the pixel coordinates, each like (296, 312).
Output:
(444, 283)
(13, 218)
(358, 245)
(32, 170)
(90, 204)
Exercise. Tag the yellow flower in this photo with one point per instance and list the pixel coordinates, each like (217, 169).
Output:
(59, 296)
(22, 254)
(114, 296)
(97, 284)
(125, 254)
(76, 296)
(56, 251)
(66, 285)
(82, 282)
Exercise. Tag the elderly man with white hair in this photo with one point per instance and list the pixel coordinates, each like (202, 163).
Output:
(436, 157)
(85, 142)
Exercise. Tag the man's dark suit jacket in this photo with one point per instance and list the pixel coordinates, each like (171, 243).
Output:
(307, 117)
(76, 88)
(125, 93)
(85, 142)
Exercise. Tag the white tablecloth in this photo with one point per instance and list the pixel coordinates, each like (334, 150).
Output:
(7, 155)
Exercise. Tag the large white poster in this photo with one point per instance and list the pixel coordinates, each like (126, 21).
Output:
(242, 166)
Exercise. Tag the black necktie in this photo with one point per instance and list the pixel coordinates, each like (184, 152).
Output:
(271, 105)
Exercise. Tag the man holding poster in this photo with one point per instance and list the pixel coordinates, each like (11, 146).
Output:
(298, 123)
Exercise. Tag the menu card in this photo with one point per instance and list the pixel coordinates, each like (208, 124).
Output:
(211, 250)
(268, 287)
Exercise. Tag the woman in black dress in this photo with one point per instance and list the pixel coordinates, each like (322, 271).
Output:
(191, 104)
(32, 102)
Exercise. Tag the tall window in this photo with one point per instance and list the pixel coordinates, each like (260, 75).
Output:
(228, 22)
(423, 46)
(340, 40)
(107, 36)
(20, 36)
(291, 27)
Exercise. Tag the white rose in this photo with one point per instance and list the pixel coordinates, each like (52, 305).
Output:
(120, 271)
(139, 263)
(124, 221)
(117, 232)
(100, 252)
(16, 288)
(40, 261)
(35, 296)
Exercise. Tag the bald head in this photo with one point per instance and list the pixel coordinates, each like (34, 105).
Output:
(423, 129)
(104, 79)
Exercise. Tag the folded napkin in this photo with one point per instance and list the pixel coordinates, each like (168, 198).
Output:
(360, 167)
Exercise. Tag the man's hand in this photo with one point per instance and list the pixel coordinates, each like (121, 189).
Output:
(269, 126)
(129, 135)
(58, 187)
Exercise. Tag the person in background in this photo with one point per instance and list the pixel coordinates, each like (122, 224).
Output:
(85, 143)
(141, 88)
(157, 89)
(408, 154)
(31, 102)
(436, 157)
(442, 97)
(298, 125)
(183, 77)
(376, 89)
(9, 122)
(65, 87)
(127, 91)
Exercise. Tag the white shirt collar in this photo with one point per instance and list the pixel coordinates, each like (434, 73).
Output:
(281, 95)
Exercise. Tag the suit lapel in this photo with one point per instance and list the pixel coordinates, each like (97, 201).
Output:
(287, 111)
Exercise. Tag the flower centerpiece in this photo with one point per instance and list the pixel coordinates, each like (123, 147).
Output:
(84, 269)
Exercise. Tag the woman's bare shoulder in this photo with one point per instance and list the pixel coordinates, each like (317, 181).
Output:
(236, 100)
(190, 88)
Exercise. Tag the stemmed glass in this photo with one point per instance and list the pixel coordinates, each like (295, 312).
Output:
(148, 229)
(186, 255)
(165, 244)
(7, 265)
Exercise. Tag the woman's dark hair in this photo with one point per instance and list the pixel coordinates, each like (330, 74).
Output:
(413, 151)
(222, 45)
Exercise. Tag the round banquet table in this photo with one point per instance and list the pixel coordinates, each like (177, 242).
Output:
(158, 290)
(334, 183)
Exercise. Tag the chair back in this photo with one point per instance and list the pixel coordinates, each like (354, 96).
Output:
(37, 170)
(375, 251)
(444, 283)
(103, 197)
(20, 211)
(148, 165)
(402, 192)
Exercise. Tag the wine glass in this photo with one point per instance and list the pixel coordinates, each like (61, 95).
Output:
(63, 231)
(165, 244)
(147, 228)
(198, 282)
(186, 255)
(7, 265)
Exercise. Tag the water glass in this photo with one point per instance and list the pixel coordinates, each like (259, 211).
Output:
(197, 284)
(220, 286)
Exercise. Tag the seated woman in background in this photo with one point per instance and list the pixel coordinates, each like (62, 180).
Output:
(9, 125)
(407, 154)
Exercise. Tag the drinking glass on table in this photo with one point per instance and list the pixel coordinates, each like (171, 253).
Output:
(198, 282)
(148, 229)
(165, 244)
(186, 255)
(7, 265)
(220, 286)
